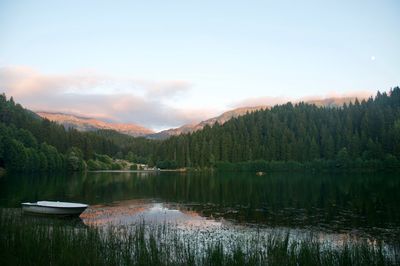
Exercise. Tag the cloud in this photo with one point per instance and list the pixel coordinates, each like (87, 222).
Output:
(271, 101)
(166, 89)
(91, 94)
(360, 94)
(120, 99)
(260, 101)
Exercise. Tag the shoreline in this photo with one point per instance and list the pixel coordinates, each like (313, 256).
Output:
(138, 171)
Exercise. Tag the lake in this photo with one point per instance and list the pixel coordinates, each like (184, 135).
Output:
(335, 208)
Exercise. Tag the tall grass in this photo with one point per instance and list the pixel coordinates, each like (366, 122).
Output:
(29, 241)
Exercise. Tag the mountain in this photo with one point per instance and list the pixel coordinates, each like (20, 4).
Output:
(90, 124)
(334, 102)
(221, 119)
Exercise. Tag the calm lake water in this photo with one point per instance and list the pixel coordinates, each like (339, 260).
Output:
(333, 207)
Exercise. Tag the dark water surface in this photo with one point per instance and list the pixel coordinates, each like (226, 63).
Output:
(332, 206)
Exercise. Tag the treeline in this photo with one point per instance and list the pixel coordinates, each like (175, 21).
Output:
(133, 149)
(360, 135)
(365, 133)
(20, 151)
(52, 133)
(105, 162)
(30, 143)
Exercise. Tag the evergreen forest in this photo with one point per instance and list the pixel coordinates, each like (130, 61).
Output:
(359, 135)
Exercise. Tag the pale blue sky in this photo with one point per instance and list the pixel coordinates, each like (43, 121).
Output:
(224, 52)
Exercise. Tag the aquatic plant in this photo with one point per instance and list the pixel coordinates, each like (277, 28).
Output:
(34, 241)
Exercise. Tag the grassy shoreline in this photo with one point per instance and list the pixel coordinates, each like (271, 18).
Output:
(30, 241)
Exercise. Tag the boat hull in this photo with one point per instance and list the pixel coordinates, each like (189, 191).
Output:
(50, 210)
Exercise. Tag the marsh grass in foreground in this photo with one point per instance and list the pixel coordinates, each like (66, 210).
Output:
(29, 241)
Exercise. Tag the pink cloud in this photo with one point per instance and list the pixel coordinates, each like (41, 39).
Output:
(261, 101)
(99, 96)
(119, 99)
(360, 94)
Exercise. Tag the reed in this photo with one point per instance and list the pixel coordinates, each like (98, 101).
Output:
(29, 241)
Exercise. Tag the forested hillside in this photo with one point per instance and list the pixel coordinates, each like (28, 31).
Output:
(357, 134)
(362, 134)
(30, 143)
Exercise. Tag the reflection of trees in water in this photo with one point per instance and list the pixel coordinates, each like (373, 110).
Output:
(335, 202)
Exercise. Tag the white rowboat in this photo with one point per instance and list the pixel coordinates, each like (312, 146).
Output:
(54, 208)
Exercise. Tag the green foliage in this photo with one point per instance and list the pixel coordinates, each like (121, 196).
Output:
(391, 162)
(284, 137)
(15, 155)
(105, 162)
(33, 130)
(52, 143)
(95, 165)
(296, 136)
(167, 164)
(29, 143)
(130, 157)
(75, 161)
(53, 158)
(26, 138)
(150, 163)
(343, 158)
(116, 166)
(104, 158)
(136, 150)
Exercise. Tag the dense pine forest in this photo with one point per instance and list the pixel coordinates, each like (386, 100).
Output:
(360, 135)
(30, 143)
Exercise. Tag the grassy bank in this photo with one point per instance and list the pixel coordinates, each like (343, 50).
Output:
(29, 241)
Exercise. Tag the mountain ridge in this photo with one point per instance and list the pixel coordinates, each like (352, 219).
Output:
(222, 118)
(82, 123)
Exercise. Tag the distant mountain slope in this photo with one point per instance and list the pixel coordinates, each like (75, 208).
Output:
(91, 124)
(334, 102)
(221, 119)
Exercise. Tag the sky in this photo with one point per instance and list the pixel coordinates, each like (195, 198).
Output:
(163, 64)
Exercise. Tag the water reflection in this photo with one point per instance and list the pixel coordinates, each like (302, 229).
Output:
(364, 205)
(192, 225)
(135, 211)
